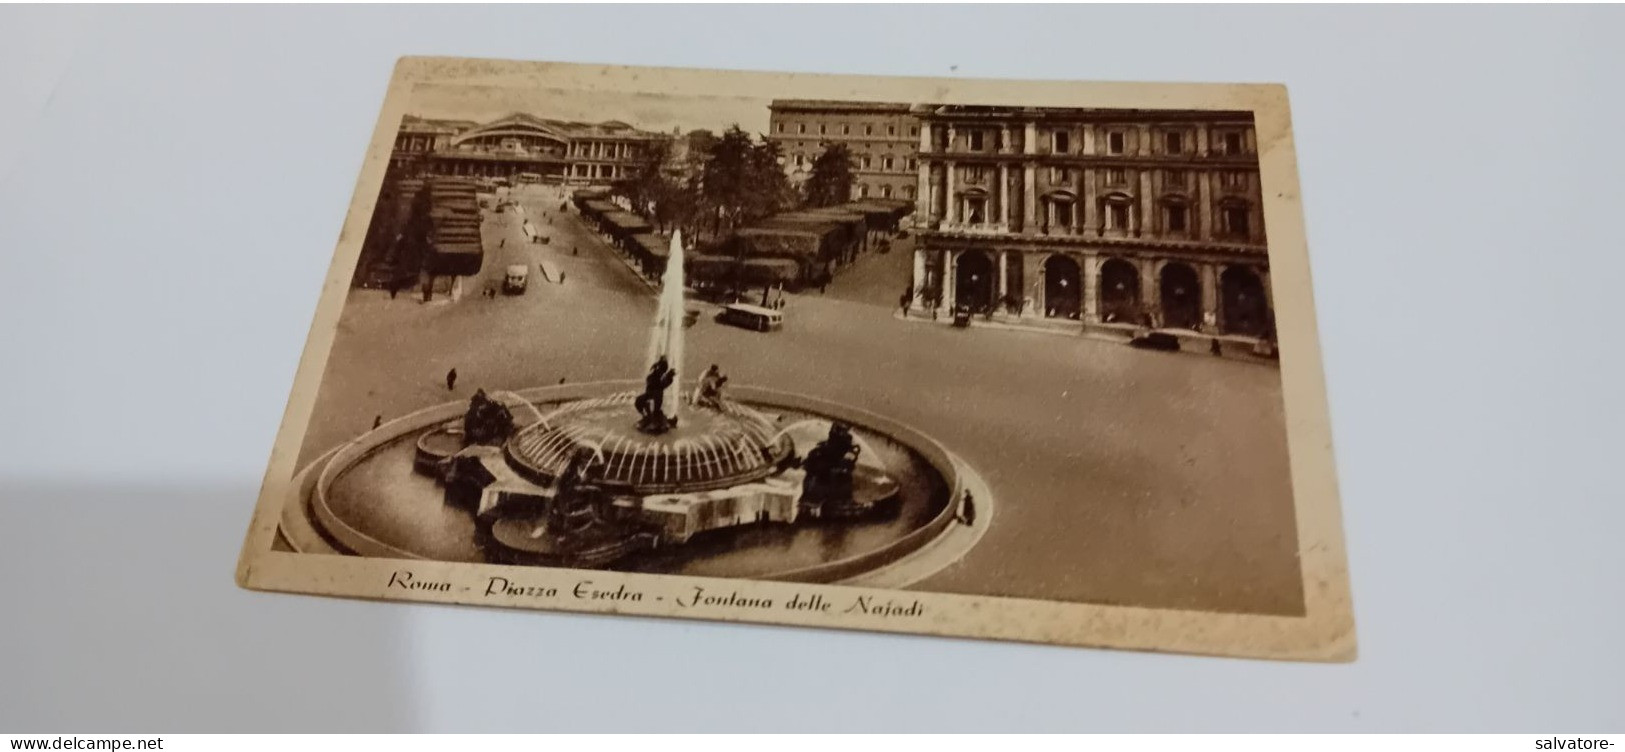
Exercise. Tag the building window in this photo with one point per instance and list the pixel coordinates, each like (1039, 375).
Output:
(863, 190)
(1116, 176)
(781, 127)
(975, 174)
(1114, 142)
(885, 191)
(908, 191)
(913, 165)
(914, 130)
(975, 209)
(1175, 141)
(863, 163)
(846, 130)
(975, 140)
(801, 127)
(1058, 175)
(1235, 219)
(891, 130)
(1233, 180)
(1176, 177)
(822, 129)
(1174, 216)
(801, 161)
(886, 164)
(1232, 142)
(1062, 142)
(1059, 212)
(1117, 215)
(868, 130)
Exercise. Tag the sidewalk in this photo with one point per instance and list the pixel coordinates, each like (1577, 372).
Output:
(1233, 346)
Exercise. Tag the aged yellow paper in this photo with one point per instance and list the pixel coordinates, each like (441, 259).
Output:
(1016, 360)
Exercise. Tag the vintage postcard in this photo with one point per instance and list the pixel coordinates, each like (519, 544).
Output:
(1027, 361)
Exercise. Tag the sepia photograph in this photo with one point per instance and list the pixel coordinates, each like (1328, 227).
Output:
(779, 348)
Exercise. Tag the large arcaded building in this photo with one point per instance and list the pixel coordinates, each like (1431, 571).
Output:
(520, 144)
(881, 136)
(1107, 217)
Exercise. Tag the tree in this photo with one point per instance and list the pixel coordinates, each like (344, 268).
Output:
(741, 180)
(830, 182)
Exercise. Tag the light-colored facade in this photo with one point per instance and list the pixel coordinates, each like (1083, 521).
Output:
(882, 138)
(1108, 217)
(520, 144)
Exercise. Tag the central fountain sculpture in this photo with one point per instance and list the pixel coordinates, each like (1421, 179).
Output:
(598, 479)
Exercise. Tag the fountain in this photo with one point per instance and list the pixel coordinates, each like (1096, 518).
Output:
(652, 479)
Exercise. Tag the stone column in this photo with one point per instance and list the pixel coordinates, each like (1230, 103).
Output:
(948, 292)
(1029, 197)
(1091, 288)
(1032, 280)
(950, 207)
(1148, 205)
(1089, 214)
(1004, 139)
(1210, 297)
(1004, 195)
(919, 278)
(949, 147)
(1150, 290)
(1029, 144)
(1201, 139)
(1003, 275)
(1088, 140)
(1204, 206)
(922, 195)
(1134, 210)
(1143, 147)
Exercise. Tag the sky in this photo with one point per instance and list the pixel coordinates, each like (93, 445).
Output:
(647, 111)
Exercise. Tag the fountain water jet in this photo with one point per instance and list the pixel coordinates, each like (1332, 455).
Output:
(666, 336)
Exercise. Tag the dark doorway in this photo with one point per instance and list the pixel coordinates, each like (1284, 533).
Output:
(1181, 297)
(973, 280)
(1246, 307)
(1119, 292)
(1063, 288)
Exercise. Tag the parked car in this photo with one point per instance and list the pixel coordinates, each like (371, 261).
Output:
(1152, 340)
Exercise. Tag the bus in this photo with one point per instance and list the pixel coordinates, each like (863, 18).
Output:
(751, 317)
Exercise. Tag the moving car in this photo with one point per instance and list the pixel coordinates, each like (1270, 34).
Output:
(751, 317)
(516, 279)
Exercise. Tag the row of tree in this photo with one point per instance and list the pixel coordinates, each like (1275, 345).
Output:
(729, 181)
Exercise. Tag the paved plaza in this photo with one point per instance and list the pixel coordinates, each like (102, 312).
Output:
(1120, 476)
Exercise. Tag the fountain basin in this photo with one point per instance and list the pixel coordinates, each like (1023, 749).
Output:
(365, 499)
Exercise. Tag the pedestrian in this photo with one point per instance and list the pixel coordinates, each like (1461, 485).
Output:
(393, 289)
(451, 379)
(575, 250)
(376, 422)
(561, 278)
(503, 243)
(561, 381)
(1215, 348)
